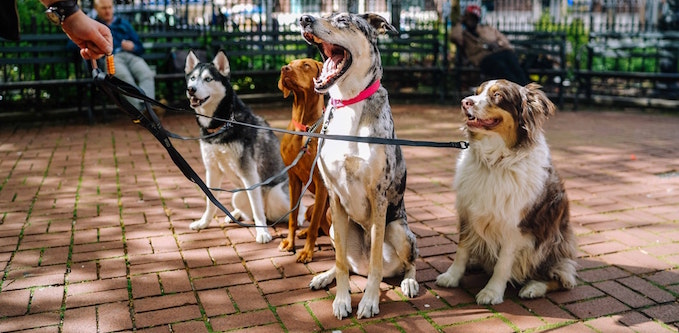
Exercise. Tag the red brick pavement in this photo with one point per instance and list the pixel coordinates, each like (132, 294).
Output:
(94, 236)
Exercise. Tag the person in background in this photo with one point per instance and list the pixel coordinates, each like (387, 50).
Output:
(93, 38)
(487, 48)
(127, 51)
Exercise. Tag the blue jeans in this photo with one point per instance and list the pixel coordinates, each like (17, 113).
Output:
(133, 69)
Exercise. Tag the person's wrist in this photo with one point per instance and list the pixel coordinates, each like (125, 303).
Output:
(58, 11)
(72, 17)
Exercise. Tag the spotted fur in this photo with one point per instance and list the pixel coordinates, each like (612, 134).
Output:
(366, 182)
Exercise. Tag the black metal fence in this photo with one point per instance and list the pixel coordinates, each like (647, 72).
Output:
(251, 22)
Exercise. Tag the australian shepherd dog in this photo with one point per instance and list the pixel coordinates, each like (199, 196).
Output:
(511, 202)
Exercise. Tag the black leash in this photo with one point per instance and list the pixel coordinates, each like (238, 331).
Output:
(115, 88)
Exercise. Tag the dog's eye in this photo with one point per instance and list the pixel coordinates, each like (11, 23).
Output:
(208, 79)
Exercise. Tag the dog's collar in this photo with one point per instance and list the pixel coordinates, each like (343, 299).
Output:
(299, 126)
(216, 129)
(338, 103)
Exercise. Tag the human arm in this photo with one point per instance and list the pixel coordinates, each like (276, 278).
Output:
(93, 38)
(456, 34)
(131, 42)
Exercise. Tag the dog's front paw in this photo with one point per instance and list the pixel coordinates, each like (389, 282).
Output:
(286, 245)
(533, 289)
(489, 296)
(200, 224)
(341, 306)
(368, 307)
(263, 237)
(410, 287)
(448, 280)
(321, 280)
(305, 256)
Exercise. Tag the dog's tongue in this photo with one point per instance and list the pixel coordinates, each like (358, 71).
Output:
(335, 56)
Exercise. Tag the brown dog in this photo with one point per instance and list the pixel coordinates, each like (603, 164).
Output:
(297, 77)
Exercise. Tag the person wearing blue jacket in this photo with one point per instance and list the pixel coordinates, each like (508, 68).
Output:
(127, 51)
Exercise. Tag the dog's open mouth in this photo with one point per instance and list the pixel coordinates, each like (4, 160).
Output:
(196, 102)
(336, 61)
(474, 122)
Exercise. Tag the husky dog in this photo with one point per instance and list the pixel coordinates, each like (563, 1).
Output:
(365, 181)
(245, 154)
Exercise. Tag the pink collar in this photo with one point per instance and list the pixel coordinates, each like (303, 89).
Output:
(337, 103)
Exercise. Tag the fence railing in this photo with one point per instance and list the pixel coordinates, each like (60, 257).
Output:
(421, 23)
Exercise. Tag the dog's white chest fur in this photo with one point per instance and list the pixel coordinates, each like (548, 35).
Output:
(227, 157)
(348, 168)
(495, 184)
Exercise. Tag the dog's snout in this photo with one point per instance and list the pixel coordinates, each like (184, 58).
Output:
(191, 90)
(286, 68)
(306, 20)
(467, 103)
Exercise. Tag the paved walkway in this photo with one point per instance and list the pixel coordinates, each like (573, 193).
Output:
(94, 236)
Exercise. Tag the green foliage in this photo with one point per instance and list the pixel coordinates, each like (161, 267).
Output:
(576, 34)
(31, 12)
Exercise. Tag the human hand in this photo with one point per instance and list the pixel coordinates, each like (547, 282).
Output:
(93, 38)
(492, 47)
(127, 45)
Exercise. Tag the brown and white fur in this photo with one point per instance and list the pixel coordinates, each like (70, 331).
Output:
(366, 182)
(512, 204)
(297, 78)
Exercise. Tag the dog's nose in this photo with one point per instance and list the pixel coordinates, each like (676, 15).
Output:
(191, 90)
(467, 103)
(286, 68)
(306, 20)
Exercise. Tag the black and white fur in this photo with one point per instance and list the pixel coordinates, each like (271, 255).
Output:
(245, 155)
(511, 202)
(366, 182)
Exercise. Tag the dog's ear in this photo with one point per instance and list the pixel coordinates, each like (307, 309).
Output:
(536, 108)
(222, 63)
(284, 89)
(379, 23)
(191, 62)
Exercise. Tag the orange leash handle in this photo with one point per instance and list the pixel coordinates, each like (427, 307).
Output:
(110, 65)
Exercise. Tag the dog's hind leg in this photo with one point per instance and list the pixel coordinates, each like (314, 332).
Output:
(536, 289)
(213, 179)
(399, 237)
(563, 276)
(256, 200)
(277, 203)
(241, 207)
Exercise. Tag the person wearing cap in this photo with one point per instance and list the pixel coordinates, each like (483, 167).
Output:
(487, 48)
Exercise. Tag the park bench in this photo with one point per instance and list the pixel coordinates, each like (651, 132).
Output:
(256, 58)
(542, 55)
(638, 69)
(39, 72)
(411, 58)
(165, 51)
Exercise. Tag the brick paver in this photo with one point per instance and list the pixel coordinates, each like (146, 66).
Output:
(94, 236)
